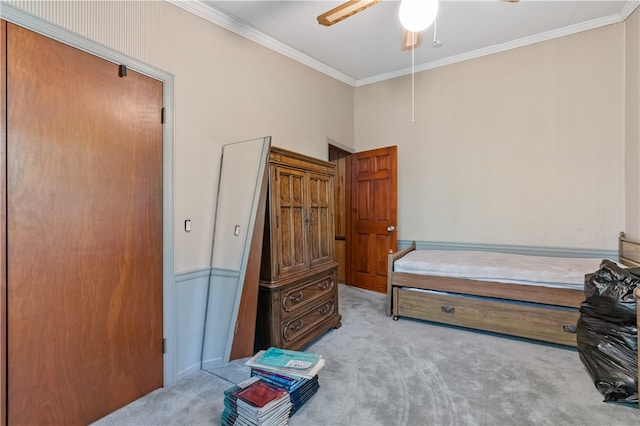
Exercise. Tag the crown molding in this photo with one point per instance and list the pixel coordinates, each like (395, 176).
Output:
(629, 8)
(525, 41)
(211, 14)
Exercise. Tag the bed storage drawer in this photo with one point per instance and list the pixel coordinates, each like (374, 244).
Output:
(529, 320)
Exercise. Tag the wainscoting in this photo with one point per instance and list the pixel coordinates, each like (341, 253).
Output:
(190, 304)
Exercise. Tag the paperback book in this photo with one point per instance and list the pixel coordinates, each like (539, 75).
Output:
(300, 389)
(256, 402)
(289, 383)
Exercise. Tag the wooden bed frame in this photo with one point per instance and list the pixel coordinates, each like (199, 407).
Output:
(512, 309)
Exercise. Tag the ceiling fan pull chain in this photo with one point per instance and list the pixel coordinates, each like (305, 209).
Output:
(435, 31)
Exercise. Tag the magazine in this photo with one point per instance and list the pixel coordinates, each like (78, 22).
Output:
(291, 363)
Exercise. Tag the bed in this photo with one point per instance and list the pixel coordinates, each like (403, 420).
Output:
(533, 297)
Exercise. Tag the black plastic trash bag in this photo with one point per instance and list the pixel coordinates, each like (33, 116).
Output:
(609, 293)
(607, 332)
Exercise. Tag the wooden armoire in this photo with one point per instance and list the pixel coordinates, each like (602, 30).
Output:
(298, 295)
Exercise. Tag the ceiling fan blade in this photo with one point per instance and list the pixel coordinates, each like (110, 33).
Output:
(345, 10)
(410, 40)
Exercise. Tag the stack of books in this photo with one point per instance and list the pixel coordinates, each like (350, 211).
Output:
(256, 402)
(300, 389)
(293, 371)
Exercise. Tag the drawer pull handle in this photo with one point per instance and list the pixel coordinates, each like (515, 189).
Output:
(326, 308)
(324, 285)
(296, 299)
(448, 309)
(297, 326)
(569, 328)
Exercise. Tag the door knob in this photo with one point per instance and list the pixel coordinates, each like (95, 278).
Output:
(391, 228)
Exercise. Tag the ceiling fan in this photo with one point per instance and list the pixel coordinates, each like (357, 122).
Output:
(411, 39)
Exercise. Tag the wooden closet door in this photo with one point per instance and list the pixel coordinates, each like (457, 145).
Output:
(84, 233)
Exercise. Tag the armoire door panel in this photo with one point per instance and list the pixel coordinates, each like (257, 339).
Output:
(291, 220)
(321, 223)
(84, 233)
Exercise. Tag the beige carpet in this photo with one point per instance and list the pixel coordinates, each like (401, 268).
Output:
(406, 372)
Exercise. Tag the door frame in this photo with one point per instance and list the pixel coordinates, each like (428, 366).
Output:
(333, 145)
(48, 29)
(337, 146)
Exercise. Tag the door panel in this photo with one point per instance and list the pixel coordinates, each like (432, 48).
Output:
(373, 217)
(320, 220)
(84, 233)
(291, 208)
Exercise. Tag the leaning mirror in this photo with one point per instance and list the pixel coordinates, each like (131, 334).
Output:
(241, 197)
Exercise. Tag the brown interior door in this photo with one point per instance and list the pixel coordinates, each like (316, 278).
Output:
(374, 217)
(84, 233)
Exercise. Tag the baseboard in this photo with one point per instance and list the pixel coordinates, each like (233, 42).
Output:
(210, 364)
(188, 371)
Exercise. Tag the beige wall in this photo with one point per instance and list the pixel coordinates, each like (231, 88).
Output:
(632, 121)
(521, 147)
(227, 89)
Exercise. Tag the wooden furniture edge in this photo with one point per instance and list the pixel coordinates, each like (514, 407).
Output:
(625, 254)
(391, 259)
(508, 291)
(629, 260)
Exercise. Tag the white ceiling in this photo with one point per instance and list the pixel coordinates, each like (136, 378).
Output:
(366, 47)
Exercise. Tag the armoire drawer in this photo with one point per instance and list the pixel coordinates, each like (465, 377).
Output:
(297, 327)
(301, 296)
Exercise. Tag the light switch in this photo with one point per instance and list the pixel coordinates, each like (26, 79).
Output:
(236, 231)
(187, 225)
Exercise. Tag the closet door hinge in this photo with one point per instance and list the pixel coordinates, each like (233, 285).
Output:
(164, 346)
(162, 115)
(122, 71)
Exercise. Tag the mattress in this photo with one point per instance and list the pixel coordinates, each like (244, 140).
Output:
(500, 267)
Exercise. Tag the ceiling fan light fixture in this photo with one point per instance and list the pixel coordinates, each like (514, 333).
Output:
(417, 15)
(410, 40)
(345, 10)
